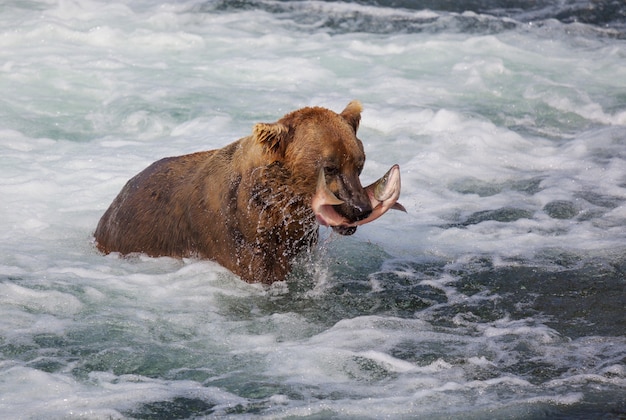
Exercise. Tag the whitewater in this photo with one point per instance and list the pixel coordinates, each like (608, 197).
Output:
(501, 292)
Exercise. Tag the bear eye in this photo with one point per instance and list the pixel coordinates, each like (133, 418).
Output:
(331, 170)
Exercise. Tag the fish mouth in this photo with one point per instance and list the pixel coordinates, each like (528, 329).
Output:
(383, 195)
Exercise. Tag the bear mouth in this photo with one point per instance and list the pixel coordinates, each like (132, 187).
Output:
(383, 195)
(344, 230)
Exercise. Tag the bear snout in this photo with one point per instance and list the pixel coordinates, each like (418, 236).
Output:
(356, 204)
(354, 211)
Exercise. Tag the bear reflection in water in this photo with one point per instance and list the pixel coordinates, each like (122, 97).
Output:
(253, 205)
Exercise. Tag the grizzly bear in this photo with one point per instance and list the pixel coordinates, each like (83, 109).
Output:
(255, 204)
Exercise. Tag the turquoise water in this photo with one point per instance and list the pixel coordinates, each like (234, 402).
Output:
(500, 294)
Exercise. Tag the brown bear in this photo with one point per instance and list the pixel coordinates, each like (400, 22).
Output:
(253, 205)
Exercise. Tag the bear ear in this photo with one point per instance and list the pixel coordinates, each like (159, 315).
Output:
(272, 136)
(352, 114)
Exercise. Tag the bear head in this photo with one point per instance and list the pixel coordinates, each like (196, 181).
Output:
(322, 152)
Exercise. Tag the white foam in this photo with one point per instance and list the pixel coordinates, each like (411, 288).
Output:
(44, 301)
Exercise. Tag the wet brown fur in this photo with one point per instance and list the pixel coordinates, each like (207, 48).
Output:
(246, 206)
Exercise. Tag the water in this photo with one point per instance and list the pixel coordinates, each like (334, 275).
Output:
(500, 294)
